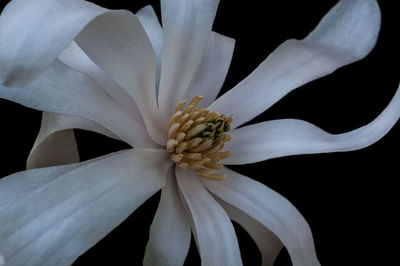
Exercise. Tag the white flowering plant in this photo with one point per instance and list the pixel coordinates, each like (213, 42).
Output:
(124, 76)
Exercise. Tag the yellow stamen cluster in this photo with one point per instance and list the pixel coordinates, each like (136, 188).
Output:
(195, 138)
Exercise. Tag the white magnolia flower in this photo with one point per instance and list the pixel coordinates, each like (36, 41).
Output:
(122, 75)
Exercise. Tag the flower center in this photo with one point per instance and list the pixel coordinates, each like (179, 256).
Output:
(195, 138)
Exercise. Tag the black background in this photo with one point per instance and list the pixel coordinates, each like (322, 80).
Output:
(347, 198)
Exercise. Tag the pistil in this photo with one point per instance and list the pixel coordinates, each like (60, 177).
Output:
(195, 138)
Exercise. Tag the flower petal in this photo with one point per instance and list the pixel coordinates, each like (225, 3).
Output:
(268, 244)
(170, 232)
(187, 26)
(54, 217)
(24, 52)
(153, 29)
(120, 46)
(76, 59)
(214, 66)
(271, 210)
(215, 236)
(63, 90)
(55, 143)
(285, 137)
(346, 34)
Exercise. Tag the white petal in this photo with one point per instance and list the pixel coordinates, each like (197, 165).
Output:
(33, 33)
(75, 58)
(153, 29)
(215, 236)
(120, 47)
(170, 232)
(53, 218)
(63, 90)
(268, 244)
(55, 143)
(214, 66)
(285, 137)
(187, 26)
(270, 209)
(346, 34)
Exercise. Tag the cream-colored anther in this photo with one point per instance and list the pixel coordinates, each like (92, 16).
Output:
(196, 99)
(181, 147)
(198, 121)
(183, 119)
(195, 131)
(203, 146)
(214, 176)
(194, 142)
(176, 157)
(214, 149)
(205, 171)
(213, 165)
(172, 130)
(179, 106)
(227, 138)
(171, 144)
(186, 126)
(195, 138)
(180, 136)
(175, 118)
(188, 109)
(183, 165)
(192, 156)
(219, 155)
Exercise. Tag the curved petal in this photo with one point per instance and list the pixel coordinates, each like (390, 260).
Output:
(170, 232)
(346, 34)
(271, 210)
(153, 29)
(120, 46)
(54, 217)
(76, 59)
(214, 233)
(285, 137)
(63, 90)
(268, 244)
(55, 143)
(24, 53)
(214, 66)
(187, 27)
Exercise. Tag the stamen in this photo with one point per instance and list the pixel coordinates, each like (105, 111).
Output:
(179, 106)
(195, 138)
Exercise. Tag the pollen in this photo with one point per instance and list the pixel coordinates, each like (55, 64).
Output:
(196, 137)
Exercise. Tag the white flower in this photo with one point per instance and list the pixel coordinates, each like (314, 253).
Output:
(102, 70)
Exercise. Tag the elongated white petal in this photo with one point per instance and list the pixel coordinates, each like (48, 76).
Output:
(270, 209)
(346, 34)
(122, 49)
(285, 137)
(268, 244)
(55, 143)
(170, 232)
(187, 26)
(33, 33)
(215, 236)
(54, 217)
(153, 29)
(63, 90)
(75, 58)
(214, 66)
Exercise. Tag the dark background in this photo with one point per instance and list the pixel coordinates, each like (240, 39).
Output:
(347, 198)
